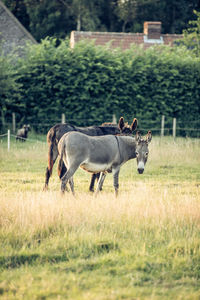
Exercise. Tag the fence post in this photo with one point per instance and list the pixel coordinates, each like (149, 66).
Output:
(8, 139)
(174, 128)
(63, 119)
(13, 122)
(162, 125)
(114, 120)
(3, 119)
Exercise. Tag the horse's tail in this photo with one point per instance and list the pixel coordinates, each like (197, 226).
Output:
(51, 140)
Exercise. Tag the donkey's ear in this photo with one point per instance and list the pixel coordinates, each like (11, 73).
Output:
(121, 123)
(134, 124)
(149, 137)
(138, 136)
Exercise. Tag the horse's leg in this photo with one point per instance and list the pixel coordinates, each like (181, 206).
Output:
(91, 188)
(100, 182)
(52, 156)
(94, 177)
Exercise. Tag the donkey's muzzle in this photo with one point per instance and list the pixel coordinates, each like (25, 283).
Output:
(140, 167)
(140, 171)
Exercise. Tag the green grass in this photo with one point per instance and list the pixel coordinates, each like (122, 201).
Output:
(143, 245)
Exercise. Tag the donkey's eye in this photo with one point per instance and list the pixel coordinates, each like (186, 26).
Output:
(146, 153)
(136, 153)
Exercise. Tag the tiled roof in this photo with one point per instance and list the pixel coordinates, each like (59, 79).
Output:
(12, 32)
(150, 37)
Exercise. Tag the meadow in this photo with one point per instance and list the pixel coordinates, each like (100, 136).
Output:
(145, 244)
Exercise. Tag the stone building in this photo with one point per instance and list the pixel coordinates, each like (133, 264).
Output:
(12, 32)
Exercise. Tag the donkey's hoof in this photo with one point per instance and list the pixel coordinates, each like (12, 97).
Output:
(62, 193)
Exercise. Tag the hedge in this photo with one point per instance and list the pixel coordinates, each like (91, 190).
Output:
(90, 84)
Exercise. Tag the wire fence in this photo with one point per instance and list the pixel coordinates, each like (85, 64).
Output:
(162, 130)
(8, 135)
(166, 126)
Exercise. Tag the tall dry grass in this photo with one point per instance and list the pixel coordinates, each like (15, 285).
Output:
(143, 205)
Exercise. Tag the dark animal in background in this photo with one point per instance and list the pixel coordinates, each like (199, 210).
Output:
(56, 132)
(22, 133)
(101, 154)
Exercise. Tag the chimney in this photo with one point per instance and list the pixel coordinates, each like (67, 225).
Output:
(152, 30)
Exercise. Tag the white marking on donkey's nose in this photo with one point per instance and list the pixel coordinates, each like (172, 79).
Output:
(141, 167)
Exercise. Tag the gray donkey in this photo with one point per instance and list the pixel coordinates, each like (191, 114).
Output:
(101, 154)
(57, 131)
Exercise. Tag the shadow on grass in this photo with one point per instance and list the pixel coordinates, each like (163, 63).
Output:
(15, 261)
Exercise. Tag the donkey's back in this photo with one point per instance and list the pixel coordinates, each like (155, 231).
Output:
(94, 154)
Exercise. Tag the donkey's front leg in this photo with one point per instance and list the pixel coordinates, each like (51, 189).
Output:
(71, 183)
(115, 172)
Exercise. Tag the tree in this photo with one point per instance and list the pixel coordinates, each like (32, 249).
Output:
(126, 11)
(9, 88)
(85, 12)
(192, 35)
(48, 18)
(57, 18)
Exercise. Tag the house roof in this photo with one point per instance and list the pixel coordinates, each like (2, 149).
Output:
(151, 36)
(12, 32)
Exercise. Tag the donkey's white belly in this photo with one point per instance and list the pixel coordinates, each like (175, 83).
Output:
(95, 167)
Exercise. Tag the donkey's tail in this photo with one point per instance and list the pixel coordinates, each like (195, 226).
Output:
(61, 169)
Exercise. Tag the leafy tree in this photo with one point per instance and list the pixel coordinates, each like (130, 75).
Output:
(57, 18)
(192, 35)
(9, 89)
(85, 12)
(126, 11)
(175, 14)
(48, 18)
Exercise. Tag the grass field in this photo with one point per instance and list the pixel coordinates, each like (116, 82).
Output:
(143, 245)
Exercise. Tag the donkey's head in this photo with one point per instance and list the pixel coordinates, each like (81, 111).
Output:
(126, 129)
(142, 150)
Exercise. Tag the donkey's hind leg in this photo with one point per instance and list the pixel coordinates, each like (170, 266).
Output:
(62, 170)
(70, 172)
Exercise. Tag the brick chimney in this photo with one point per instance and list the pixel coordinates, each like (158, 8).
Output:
(152, 30)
